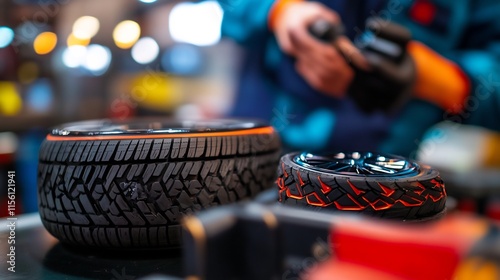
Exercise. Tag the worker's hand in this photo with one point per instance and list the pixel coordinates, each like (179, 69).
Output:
(324, 67)
(319, 63)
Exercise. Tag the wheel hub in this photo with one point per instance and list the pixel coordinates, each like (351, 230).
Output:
(358, 164)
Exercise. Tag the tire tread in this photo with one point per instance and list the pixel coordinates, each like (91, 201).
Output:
(413, 198)
(133, 193)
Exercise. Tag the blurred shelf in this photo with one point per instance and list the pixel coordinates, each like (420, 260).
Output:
(29, 121)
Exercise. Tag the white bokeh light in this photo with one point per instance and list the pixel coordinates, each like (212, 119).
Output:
(94, 58)
(74, 56)
(97, 59)
(196, 23)
(85, 27)
(145, 50)
(6, 36)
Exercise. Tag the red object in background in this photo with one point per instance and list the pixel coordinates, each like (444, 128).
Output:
(6, 159)
(121, 108)
(467, 205)
(333, 270)
(423, 12)
(373, 250)
(6, 163)
(493, 210)
(8, 64)
(4, 209)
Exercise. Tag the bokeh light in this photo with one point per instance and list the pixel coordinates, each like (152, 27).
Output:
(75, 41)
(147, 1)
(156, 90)
(74, 56)
(28, 30)
(94, 58)
(145, 51)
(39, 96)
(97, 59)
(183, 59)
(9, 142)
(45, 42)
(10, 101)
(196, 23)
(126, 34)
(27, 72)
(86, 27)
(6, 36)
(189, 111)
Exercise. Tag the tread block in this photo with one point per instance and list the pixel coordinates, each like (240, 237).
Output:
(122, 150)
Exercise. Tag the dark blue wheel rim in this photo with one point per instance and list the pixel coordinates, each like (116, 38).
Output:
(364, 164)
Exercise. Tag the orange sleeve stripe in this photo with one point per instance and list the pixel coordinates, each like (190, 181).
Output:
(276, 11)
(439, 80)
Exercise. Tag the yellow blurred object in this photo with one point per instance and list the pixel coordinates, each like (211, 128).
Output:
(45, 42)
(478, 269)
(10, 101)
(75, 41)
(27, 72)
(491, 153)
(126, 34)
(156, 90)
(86, 27)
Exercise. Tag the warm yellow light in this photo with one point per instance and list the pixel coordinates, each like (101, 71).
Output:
(86, 27)
(45, 42)
(27, 72)
(75, 41)
(156, 90)
(126, 33)
(10, 102)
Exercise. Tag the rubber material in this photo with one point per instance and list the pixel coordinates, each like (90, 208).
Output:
(132, 193)
(407, 198)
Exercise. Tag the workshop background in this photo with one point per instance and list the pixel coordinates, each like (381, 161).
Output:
(71, 60)
(64, 61)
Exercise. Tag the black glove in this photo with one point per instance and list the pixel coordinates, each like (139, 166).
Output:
(388, 84)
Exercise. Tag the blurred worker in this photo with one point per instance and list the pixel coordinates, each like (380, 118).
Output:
(299, 83)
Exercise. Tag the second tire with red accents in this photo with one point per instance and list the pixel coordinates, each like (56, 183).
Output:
(377, 185)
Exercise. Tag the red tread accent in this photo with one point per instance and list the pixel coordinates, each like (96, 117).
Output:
(353, 187)
(408, 204)
(387, 191)
(324, 187)
(284, 170)
(300, 179)
(378, 208)
(321, 203)
(350, 208)
(290, 195)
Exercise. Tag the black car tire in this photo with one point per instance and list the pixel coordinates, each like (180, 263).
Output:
(128, 184)
(418, 194)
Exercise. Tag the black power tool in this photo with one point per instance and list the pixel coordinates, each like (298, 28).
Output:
(388, 84)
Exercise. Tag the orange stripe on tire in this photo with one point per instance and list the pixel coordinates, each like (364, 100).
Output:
(260, 130)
